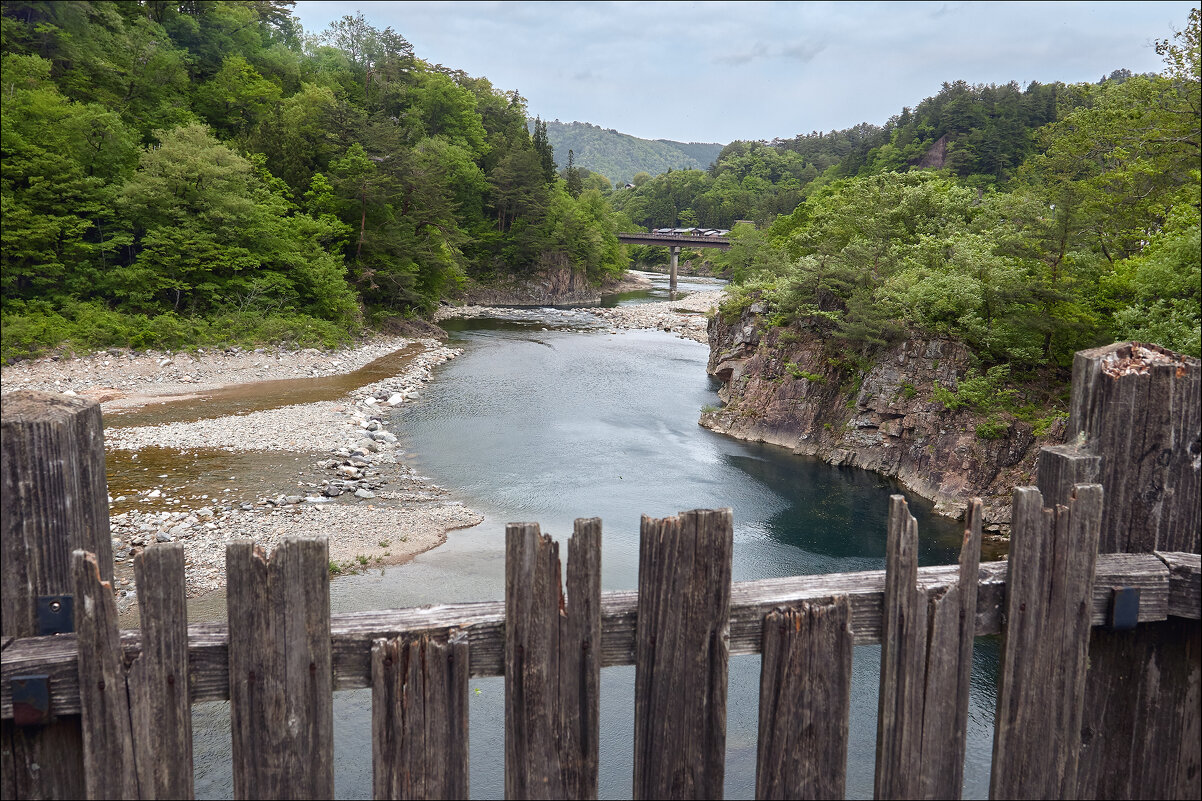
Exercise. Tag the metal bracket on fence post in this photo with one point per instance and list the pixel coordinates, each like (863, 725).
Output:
(31, 700)
(56, 614)
(1124, 609)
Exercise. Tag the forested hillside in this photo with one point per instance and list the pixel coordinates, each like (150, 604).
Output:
(181, 173)
(619, 157)
(1091, 236)
(1026, 222)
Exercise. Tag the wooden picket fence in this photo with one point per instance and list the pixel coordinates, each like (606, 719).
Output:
(99, 712)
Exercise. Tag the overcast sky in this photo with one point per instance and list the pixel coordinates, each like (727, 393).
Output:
(715, 72)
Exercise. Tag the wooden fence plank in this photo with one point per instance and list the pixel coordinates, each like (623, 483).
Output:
(552, 672)
(1138, 409)
(158, 678)
(533, 597)
(805, 698)
(281, 686)
(580, 661)
(483, 623)
(1042, 683)
(903, 652)
(681, 655)
(1150, 680)
(108, 748)
(53, 500)
(420, 718)
(950, 633)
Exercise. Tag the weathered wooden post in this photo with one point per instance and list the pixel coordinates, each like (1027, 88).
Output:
(1041, 687)
(552, 663)
(281, 669)
(682, 651)
(54, 500)
(926, 665)
(805, 699)
(1135, 427)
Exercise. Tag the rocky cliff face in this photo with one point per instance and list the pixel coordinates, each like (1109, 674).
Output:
(554, 283)
(793, 390)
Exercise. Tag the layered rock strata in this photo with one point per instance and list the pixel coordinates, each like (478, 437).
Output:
(791, 389)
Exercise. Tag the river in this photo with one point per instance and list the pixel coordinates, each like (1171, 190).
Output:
(546, 417)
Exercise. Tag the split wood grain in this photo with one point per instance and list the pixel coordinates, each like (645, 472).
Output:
(161, 704)
(137, 716)
(53, 500)
(1185, 589)
(1041, 686)
(1144, 425)
(681, 655)
(903, 663)
(108, 747)
(353, 633)
(420, 718)
(280, 668)
(552, 667)
(951, 630)
(926, 665)
(805, 700)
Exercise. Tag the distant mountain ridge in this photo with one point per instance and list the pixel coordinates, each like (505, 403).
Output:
(619, 156)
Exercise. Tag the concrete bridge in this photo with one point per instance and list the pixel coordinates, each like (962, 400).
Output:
(676, 238)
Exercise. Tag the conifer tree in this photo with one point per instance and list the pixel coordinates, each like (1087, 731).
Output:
(546, 154)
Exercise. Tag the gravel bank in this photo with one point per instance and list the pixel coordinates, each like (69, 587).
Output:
(685, 318)
(121, 378)
(359, 493)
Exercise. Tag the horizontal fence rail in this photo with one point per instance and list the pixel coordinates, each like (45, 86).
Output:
(1169, 584)
(1097, 687)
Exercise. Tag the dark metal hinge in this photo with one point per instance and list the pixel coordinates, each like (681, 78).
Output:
(1124, 609)
(31, 700)
(56, 614)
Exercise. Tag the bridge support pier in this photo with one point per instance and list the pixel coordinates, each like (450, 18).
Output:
(675, 262)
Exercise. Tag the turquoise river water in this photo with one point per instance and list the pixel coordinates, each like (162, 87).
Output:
(546, 417)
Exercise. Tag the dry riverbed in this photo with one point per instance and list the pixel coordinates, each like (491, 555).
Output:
(353, 486)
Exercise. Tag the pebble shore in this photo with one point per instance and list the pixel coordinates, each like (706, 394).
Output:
(686, 317)
(373, 508)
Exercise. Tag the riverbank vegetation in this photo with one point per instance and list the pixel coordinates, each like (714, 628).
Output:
(208, 173)
(1027, 223)
(201, 173)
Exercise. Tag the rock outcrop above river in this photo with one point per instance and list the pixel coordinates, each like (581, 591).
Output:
(788, 388)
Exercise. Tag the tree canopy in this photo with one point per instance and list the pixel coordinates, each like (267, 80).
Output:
(212, 166)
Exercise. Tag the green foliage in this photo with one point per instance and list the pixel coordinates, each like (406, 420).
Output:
(976, 391)
(799, 373)
(33, 329)
(908, 390)
(1044, 424)
(194, 163)
(992, 427)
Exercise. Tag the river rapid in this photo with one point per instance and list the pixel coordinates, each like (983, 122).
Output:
(549, 415)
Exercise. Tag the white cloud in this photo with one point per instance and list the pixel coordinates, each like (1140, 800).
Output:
(722, 71)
